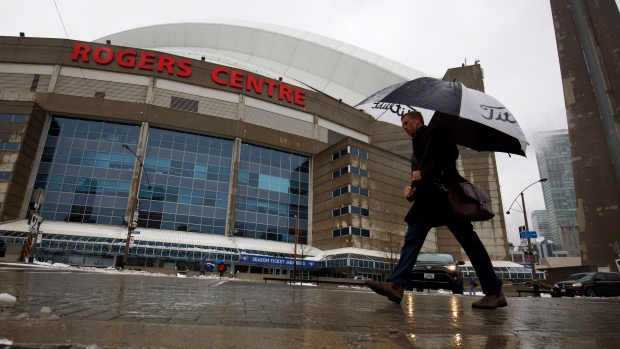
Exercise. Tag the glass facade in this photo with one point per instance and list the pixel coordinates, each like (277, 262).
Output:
(184, 186)
(272, 189)
(85, 170)
(190, 179)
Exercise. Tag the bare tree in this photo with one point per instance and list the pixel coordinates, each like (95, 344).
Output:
(391, 247)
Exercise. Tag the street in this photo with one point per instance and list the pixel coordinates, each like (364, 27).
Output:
(66, 307)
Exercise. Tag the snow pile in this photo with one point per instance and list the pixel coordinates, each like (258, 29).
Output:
(5, 342)
(45, 310)
(6, 300)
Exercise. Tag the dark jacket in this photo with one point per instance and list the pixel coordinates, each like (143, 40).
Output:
(434, 154)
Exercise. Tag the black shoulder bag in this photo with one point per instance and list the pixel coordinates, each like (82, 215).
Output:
(467, 201)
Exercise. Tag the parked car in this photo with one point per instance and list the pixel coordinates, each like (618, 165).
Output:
(588, 284)
(437, 271)
(359, 277)
(2, 247)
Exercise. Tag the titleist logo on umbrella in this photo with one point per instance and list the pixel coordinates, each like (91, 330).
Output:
(501, 117)
(397, 109)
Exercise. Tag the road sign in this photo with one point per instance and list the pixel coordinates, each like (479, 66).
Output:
(528, 235)
(33, 227)
(135, 232)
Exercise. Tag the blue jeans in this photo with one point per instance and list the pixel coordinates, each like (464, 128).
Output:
(464, 233)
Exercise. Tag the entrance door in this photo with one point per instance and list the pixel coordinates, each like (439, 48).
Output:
(272, 271)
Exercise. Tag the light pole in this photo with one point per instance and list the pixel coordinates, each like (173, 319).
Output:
(130, 222)
(295, 252)
(529, 240)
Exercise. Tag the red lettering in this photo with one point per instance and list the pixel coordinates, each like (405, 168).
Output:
(126, 58)
(109, 56)
(270, 85)
(80, 50)
(185, 66)
(252, 84)
(236, 79)
(215, 75)
(300, 97)
(146, 60)
(165, 62)
(284, 91)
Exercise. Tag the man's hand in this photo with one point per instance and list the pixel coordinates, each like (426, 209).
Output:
(416, 176)
(409, 191)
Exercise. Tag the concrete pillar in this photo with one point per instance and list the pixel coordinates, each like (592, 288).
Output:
(35, 165)
(137, 172)
(232, 188)
(52, 86)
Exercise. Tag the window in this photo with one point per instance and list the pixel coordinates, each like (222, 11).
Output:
(349, 189)
(13, 118)
(9, 146)
(349, 168)
(350, 150)
(5, 176)
(272, 194)
(351, 231)
(183, 104)
(351, 209)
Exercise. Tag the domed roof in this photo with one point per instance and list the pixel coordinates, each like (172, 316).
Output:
(337, 69)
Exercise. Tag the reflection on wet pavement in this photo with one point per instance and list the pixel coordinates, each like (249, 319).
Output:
(141, 311)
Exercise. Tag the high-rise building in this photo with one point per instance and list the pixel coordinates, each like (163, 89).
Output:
(588, 42)
(540, 224)
(554, 163)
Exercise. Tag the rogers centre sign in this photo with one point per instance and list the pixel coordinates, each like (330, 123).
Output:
(145, 60)
(235, 78)
(127, 58)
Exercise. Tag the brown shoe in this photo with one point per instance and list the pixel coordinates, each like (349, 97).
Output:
(389, 289)
(491, 302)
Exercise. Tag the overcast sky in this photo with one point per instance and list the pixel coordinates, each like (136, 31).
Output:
(514, 41)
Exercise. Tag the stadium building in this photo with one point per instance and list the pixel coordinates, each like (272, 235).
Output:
(227, 141)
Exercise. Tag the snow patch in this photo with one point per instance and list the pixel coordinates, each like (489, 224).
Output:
(5, 341)
(6, 300)
(45, 310)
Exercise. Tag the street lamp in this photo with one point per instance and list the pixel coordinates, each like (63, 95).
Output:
(141, 164)
(295, 252)
(529, 240)
(130, 224)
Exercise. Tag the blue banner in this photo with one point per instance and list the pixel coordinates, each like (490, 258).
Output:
(275, 261)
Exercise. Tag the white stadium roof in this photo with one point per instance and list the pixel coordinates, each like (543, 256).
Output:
(335, 68)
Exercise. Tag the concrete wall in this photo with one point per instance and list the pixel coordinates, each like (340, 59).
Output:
(20, 162)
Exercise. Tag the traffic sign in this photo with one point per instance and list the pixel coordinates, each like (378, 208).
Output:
(135, 232)
(528, 235)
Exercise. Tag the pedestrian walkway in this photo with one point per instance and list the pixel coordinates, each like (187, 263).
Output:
(146, 311)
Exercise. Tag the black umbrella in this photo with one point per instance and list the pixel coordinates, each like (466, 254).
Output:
(477, 120)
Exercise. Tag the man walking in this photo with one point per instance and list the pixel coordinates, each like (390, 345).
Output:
(433, 159)
(202, 267)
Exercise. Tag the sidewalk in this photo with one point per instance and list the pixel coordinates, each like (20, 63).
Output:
(145, 311)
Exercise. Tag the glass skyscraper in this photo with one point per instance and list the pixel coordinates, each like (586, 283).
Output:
(554, 162)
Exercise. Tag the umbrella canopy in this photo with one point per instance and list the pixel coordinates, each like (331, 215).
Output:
(477, 120)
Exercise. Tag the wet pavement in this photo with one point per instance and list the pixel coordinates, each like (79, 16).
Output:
(68, 308)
